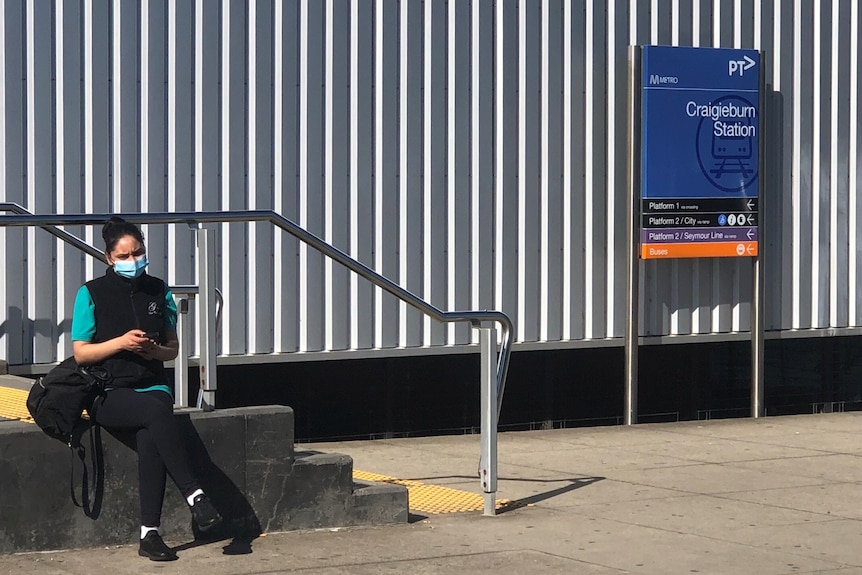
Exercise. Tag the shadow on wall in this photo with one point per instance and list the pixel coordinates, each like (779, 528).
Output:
(12, 327)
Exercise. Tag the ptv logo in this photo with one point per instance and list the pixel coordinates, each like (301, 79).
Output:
(734, 66)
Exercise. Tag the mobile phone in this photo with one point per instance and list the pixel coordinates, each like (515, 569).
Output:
(153, 335)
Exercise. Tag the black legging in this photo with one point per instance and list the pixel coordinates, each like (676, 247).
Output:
(149, 415)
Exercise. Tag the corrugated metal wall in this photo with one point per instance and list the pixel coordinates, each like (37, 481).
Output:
(474, 152)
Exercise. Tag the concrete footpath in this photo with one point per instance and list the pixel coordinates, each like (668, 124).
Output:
(767, 496)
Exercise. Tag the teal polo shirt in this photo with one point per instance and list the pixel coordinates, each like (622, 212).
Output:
(84, 322)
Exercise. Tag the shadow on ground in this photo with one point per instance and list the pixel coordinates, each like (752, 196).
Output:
(576, 483)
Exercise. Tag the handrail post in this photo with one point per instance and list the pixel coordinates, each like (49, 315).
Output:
(181, 363)
(488, 381)
(206, 317)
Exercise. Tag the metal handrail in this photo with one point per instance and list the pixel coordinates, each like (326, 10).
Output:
(100, 255)
(55, 231)
(193, 218)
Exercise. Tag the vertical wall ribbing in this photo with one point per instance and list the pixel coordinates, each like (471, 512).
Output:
(362, 131)
(452, 174)
(60, 163)
(117, 105)
(469, 152)
(520, 319)
(144, 152)
(89, 135)
(775, 54)
(30, 146)
(611, 158)
(853, 167)
(499, 82)
(589, 184)
(225, 164)
(567, 192)
(758, 25)
(278, 172)
(42, 174)
(695, 22)
(252, 173)
(172, 187)
(303, 172)
(5, 292)
(544, 216)
(737, 23)
(815, 172)
(475, 150)
(354, 168)
(796, 317)
(378, 169)
(404, 126)
(834, 275)
(16, 337)
(328, 172)
(716, 23)
(427, 158)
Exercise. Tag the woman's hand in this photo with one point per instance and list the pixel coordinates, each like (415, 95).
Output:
(165, 352)
(149, 349)
(133, 340)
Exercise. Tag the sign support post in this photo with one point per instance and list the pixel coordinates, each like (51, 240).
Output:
(757, 323)
(757, 391)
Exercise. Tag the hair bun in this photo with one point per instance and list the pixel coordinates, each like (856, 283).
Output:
(115, 221)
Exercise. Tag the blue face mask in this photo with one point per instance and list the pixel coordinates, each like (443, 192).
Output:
(131, 268)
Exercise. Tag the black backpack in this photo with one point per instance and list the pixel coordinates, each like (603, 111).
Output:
(57, 402)
(58, 399)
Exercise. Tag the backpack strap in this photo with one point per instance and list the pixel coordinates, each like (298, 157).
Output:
(93, 509)
(79, 450)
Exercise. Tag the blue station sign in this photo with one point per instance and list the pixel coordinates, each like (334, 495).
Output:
(700, 142)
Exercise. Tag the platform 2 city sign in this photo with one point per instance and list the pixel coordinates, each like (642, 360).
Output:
(700, 128)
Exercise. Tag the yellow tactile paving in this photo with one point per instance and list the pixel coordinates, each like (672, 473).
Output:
(433, 498)
(13, 404)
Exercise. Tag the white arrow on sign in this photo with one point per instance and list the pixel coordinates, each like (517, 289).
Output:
(750, 233)
(750, 205)
(748, 62)
(750, 219)
(750, 249)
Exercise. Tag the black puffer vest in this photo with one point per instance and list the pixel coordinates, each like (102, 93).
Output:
(121, 305)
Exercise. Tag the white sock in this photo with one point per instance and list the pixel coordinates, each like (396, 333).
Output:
(191, 498)
(145, 530)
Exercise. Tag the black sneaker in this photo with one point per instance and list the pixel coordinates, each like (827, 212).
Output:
(205, 515)
(153, 548)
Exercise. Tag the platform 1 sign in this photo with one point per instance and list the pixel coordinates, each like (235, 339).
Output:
(700, 130)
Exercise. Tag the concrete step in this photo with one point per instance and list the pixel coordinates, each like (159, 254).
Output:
(16, 382)
(247, 463)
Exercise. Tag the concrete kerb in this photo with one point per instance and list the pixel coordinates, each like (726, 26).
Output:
(245, 458)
